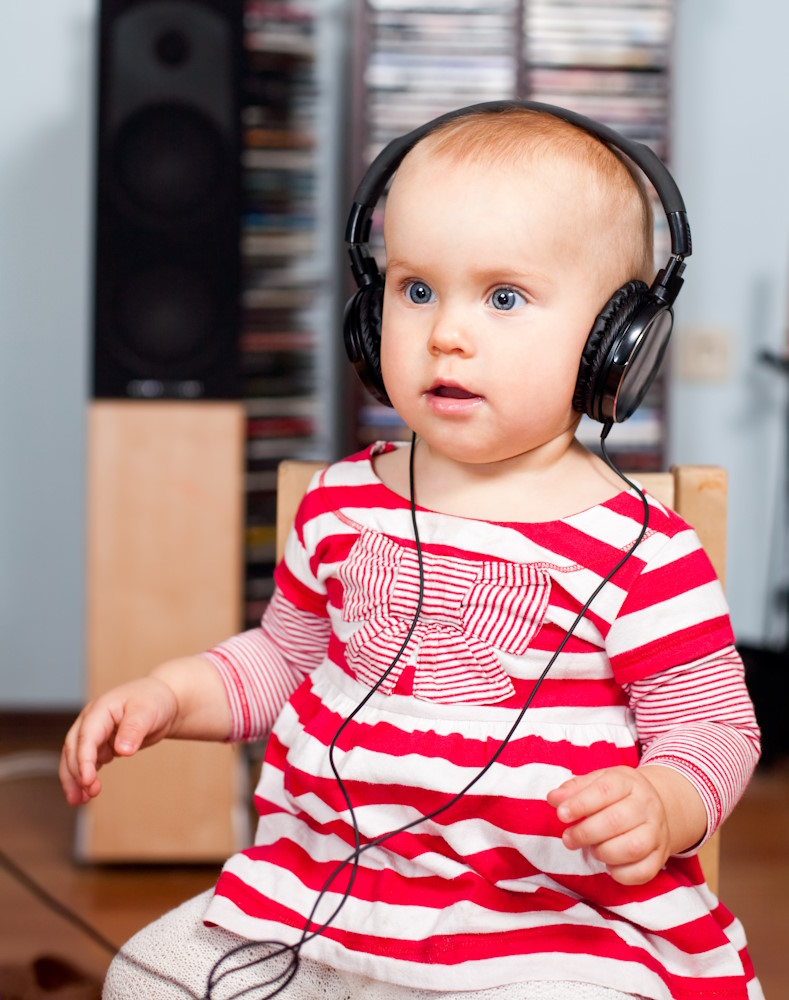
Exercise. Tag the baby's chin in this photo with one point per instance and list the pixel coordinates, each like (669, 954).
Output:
(508, 456)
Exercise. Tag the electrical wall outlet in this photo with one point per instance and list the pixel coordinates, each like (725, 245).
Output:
(704, 353)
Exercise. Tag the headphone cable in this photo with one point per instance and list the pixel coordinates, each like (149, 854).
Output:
(44, 896)
(359, 848)
(291, 969)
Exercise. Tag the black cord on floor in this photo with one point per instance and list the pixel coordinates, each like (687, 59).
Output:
(54, 904)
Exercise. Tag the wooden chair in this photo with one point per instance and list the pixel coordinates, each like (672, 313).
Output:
(697, 492)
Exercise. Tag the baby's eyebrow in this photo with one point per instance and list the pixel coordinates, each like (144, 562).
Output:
(502, 273)
(530, 280)
(393, 264)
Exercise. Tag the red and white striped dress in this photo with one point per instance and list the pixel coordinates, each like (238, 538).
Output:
(484, 893)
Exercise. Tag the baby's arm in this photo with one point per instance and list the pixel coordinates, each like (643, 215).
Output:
(700, 743)
(261, 668)
(182, 698)
(234, 691)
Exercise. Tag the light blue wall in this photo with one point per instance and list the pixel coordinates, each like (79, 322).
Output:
(731, 159)
(45, 203)
(731, 156)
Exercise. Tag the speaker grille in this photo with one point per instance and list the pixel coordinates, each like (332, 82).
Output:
(167, 263)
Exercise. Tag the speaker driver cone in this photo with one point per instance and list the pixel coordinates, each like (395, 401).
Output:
(166, 314)
(169, 161)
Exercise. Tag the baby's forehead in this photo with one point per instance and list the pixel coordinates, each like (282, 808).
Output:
(576, 183)
(590, 203)
(525, 205)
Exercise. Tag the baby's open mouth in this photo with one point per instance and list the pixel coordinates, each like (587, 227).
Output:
(452, 392)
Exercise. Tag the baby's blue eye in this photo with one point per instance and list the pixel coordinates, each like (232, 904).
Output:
(505, 299)
(419, 292)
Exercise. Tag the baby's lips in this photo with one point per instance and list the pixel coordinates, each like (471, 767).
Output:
(451, 390)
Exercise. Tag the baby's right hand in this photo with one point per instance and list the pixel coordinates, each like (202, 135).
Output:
(117, 724)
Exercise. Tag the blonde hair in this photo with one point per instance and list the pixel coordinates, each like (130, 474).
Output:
(515, 135)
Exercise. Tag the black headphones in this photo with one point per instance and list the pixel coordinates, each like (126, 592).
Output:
(629, 337)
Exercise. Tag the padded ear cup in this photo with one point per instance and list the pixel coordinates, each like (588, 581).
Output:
(612, 323)
(362, 332)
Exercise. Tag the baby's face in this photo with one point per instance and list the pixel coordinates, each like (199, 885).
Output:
(493, 281)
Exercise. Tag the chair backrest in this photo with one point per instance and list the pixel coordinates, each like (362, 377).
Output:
(698, 493)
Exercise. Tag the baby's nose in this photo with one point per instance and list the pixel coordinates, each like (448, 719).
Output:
(450, 332)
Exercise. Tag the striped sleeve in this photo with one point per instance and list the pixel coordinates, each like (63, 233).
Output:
(261, 668)
(698, 719)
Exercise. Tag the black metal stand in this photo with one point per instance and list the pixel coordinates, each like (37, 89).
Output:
(766, 669)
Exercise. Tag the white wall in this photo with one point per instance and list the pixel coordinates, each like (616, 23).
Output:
(731, 144)
(45, 203)
(731, 156)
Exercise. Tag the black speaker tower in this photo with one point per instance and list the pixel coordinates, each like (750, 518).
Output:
(167, 256)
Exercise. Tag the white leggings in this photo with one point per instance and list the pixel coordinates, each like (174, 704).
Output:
(173, 958)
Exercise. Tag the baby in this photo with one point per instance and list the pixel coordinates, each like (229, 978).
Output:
(421, 835)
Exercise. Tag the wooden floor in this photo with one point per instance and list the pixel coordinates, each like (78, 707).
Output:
(36, 832)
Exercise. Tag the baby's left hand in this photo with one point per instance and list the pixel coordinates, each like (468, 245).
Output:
(619, 814)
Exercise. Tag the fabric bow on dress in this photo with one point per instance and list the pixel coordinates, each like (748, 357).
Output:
(469, 612)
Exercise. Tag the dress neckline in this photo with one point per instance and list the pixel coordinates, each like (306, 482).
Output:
(614, 503)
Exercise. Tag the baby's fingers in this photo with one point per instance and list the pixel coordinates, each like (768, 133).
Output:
(617, 834)
(633, 858)
(91, 742)
(72, 785)
(79, 763)
(134, 725)
(586, 794)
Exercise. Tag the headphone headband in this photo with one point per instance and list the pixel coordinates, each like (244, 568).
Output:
(382, 168)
